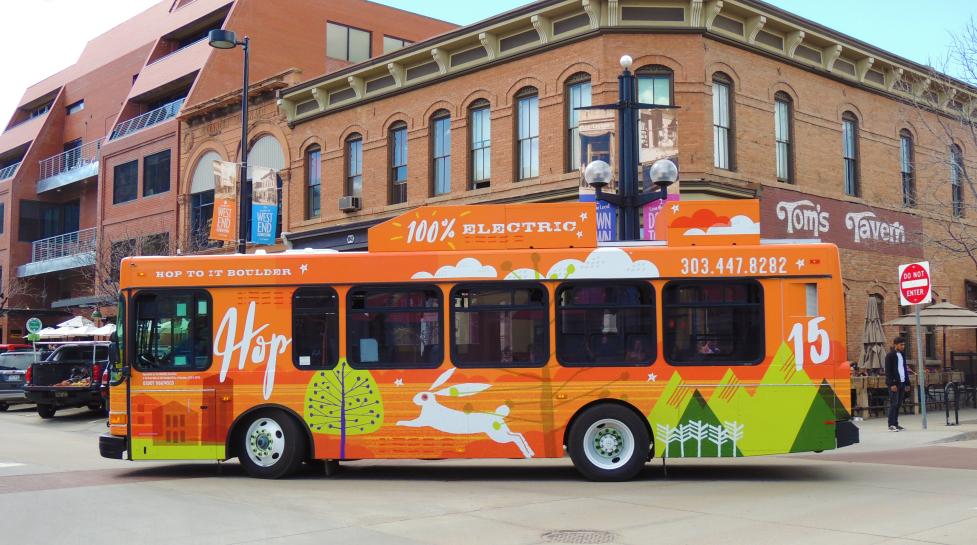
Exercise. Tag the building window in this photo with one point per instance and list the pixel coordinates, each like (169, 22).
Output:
(480, 123)
(655, 85)
(398, 328)
(722, 122)
(173, 331)
(3, 219)
(201, 214)
(906, 166)
(713, 323)
(499, 326)
(118, 251)
(527, 133)
(125, 182)
(578, 95)
(783, 118)
(313, 181)
(76, 107)
(156, 173)
(315, 326)
(347, 43)
(354, 165)
(158, 244)
(397, 146)
(957, 174)
(40, 110)
(441, 153)
(849, 138)
(601, 324)
(391, 44)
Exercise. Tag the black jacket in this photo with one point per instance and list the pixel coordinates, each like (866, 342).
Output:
(892, 370)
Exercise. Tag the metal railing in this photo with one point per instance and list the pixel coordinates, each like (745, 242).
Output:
(66, 245)
(148, 119)
(8, 172)
(81, 156)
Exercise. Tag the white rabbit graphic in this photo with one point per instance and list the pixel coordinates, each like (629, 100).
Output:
(441, 418)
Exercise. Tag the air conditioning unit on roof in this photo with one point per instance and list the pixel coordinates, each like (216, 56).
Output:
(349, 203)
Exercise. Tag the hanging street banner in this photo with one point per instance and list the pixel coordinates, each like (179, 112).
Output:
(595, 142)
(657, 139)
(224, 224)
(264, 205)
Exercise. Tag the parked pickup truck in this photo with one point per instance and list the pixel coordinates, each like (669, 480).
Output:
(69, 377)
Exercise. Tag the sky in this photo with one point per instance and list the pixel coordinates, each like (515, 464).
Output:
(919, 31)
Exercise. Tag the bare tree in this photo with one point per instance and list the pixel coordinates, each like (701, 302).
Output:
(103, 276)
(945, 109)
(20, 292)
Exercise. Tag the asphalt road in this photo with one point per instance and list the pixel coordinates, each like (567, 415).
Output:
(893, 488)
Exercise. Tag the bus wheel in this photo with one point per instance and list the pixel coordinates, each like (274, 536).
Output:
(270, 445)
(46, 411)
(609, 443)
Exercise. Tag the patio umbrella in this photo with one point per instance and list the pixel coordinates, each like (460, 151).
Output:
(941, 315)
(873, 340)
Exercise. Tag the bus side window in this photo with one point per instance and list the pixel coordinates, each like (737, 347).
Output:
(315, 328)
(394, 328)
(499, 325)
(709, 322)
(605, 324)
(173, 331)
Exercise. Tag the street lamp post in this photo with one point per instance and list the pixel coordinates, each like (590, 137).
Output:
(598, 173)
(226, 39)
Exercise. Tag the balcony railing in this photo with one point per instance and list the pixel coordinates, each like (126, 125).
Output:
(146, 120)
(79, 157)
(66, 245)
(8, 172)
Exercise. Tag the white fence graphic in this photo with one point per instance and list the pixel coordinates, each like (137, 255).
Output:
(697, 432)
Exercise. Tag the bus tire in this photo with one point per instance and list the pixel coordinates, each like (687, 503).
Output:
(609, 443)
(271, 445)
(46, 411)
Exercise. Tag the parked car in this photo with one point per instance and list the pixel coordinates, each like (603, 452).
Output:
(13, 371)
(69, 377)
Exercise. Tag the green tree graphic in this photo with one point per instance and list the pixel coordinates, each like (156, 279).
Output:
(814, 433)
(343, 401)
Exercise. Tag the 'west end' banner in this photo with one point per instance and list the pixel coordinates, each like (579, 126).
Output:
(224, 224)
(264, 205)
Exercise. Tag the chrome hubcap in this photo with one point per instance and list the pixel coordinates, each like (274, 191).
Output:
(266, 442)
(608, 444)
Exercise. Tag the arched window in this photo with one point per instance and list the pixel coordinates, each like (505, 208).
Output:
(907, 168)
(440, 153)
(313, 181)
(578, 95)
(849, 139)
(783, 119)
(655, 83)
(354, 165)
(527, 133)
(202, 202)
(957, 174)
(723, 138)
(397, 145)
(268, 153)
(480, 144)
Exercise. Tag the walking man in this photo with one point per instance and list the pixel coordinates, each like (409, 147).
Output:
(897, 379)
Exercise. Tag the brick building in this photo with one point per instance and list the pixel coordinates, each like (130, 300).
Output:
(89, 162)
(838, 139)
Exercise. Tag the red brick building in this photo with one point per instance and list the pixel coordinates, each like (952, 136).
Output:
(89, 162)
(814, 123)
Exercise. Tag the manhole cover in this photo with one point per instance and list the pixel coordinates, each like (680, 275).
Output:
(579, 536)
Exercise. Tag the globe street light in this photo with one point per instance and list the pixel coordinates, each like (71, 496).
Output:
(226, 39)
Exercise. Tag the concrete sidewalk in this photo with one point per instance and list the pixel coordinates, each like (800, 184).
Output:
(875, 434)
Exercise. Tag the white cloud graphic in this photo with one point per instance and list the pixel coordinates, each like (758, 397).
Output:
(601, 263)
(468, 267)
(739, 225)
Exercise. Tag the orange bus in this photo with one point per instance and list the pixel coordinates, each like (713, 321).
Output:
(488, 332)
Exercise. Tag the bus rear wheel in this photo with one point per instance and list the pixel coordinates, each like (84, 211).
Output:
(270, 445)
(609, 443)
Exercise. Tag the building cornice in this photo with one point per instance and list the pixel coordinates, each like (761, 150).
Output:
(527, 30)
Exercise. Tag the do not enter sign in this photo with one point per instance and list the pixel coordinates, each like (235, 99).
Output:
(915, 284)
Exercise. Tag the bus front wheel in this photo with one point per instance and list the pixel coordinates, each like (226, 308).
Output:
(270, 445)
(609, 443)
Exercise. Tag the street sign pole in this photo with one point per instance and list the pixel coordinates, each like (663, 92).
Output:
(920, 369)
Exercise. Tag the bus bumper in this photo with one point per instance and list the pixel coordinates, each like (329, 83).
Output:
(846, 433)
(112, 446)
